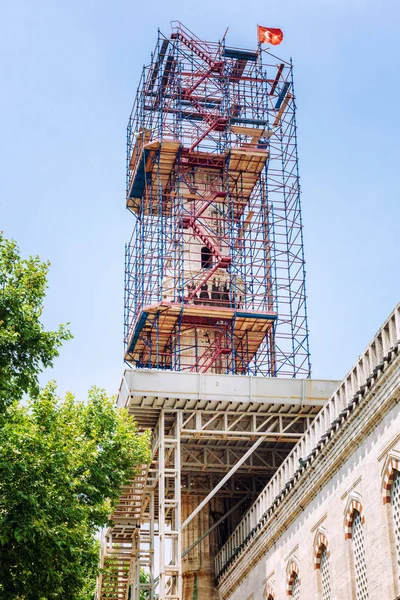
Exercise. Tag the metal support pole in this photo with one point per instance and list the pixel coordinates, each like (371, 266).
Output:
(169, 490)
(223, 481)
(178, 529)
(135, 586)
(161, 500)
(201, 538)
(152, 554)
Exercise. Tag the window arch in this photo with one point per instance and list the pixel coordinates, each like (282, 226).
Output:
(206, 258)
(321, 562)
(269, 591)
(320, 542)
(293, 582)
(353, 508)
(391, 471)
(354, 531)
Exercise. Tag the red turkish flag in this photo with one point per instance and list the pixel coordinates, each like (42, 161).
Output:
(268, 35)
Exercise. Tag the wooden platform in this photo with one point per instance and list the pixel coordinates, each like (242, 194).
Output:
(245, 165)
(244, 169)
(151, 166)
(152, 163)
(155, 330)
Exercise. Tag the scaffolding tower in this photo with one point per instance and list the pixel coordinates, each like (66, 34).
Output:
(214, 271)
(216, 333)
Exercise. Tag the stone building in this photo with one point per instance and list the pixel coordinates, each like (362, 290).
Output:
(327, 525)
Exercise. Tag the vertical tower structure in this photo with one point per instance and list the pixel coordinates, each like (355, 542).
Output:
(215, 277)
(215, 312)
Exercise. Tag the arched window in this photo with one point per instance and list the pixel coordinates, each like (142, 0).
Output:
(392, 469)
(321, 563)
(296, 587)
(391, 495)
(206, 258)
(269, 591)
(357, 536)
(325, 574)
(293, 580)
(395, 500)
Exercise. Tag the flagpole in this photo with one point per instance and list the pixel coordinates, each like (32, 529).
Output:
(258, 41)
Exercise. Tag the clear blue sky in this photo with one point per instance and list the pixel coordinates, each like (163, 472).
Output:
(69, 71)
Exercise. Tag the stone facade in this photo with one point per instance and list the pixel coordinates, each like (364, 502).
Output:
(335, 534)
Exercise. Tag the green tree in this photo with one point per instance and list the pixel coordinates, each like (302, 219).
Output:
(26, 348)
(62, 464)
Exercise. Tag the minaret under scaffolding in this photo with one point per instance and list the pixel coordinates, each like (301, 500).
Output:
(216, 336)
(215, 278)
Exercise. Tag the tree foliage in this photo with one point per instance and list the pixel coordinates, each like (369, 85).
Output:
(26, 348)
(62, 464)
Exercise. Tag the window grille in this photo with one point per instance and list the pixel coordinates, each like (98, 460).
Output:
(357, 535)
(296, 587)
(325, 575)
(395, 500)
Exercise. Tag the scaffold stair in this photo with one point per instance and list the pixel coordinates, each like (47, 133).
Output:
(113, 583)
(214, 120)
(195, 45)
(115, 575)
(210, 355)
(222, 261)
